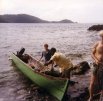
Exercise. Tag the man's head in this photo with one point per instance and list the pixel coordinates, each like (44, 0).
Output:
(46, 46)
(53, 50)
(101, 33)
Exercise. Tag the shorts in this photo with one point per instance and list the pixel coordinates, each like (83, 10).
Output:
(97, 70)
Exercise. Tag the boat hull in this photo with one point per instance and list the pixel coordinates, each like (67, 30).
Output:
(55, 86)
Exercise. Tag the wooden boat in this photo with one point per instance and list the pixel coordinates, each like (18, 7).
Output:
(54, 85)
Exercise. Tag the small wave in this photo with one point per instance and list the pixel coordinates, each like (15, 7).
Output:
(6, 46)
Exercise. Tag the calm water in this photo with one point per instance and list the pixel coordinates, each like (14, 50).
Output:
(72, 39)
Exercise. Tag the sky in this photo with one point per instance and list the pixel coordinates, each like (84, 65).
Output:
(82, 11)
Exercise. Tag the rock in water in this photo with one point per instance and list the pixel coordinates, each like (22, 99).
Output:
(81, 68)
(96, 28)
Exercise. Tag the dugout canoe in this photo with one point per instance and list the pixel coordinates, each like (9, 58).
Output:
(54, 85)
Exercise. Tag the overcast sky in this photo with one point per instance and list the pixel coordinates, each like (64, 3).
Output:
(83, 11)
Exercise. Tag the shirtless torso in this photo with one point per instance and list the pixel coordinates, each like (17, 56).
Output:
(97, 70)
(98, 52)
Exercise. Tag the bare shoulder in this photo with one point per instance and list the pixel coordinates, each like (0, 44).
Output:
(96, 44)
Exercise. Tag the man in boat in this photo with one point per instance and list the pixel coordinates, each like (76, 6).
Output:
(62, 61)
(97, 69)
(46, 53)
(22, 56)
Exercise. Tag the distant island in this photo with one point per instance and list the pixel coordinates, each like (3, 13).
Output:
(24, 18)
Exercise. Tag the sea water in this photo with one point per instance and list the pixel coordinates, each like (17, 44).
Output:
(74, 40)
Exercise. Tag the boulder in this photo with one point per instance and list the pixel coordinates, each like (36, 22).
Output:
(81, 68)
(96, 28)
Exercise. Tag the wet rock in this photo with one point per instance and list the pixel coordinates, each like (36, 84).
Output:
(96, 28)
(79, 91)
(81, 68)
(76, 55)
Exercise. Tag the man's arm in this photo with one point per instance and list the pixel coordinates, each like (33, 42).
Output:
(49, 62)
(93, 53)
(41, 56)
(91, 87)
(53, 58)
(46, 64)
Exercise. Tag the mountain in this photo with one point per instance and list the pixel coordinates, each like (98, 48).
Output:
(20, 18)
(63, 21)
(24, 18)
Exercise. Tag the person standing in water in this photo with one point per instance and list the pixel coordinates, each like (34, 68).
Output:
(46, 53)
(97, 69)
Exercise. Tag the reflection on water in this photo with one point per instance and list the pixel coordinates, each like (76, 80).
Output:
(72, 39)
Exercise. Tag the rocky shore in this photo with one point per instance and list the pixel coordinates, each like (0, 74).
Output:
(81, 76)
(75, 92)
(28, 91)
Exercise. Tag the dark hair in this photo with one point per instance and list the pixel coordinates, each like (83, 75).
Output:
(45, 45)
(53, 50)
